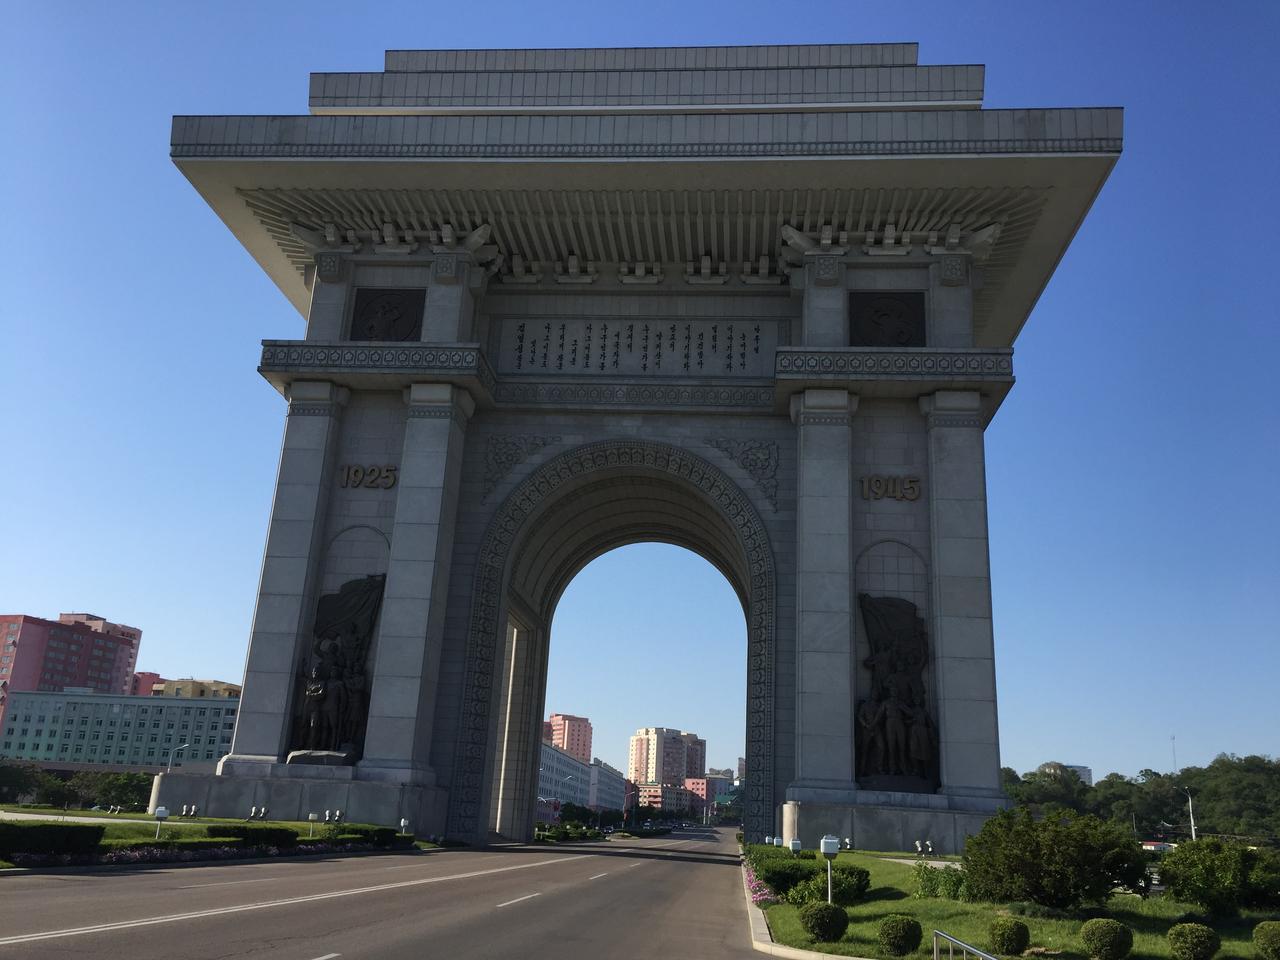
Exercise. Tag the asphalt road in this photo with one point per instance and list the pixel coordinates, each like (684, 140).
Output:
(668, 898)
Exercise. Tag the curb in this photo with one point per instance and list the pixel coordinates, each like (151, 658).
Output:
(762, 940)
(183, 864)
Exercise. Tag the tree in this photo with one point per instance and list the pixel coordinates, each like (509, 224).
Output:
(17, 780)
(1063, 860)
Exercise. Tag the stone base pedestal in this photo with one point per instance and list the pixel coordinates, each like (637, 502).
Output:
(292, 797)
(890, 821)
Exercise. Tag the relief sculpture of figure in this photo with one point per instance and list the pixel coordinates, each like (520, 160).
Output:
(334, 701)
(897, 738)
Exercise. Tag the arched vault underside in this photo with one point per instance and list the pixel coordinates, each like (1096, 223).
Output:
(576, 507)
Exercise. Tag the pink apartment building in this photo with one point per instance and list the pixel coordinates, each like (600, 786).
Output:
(76, 650)
(571, 734)
(143, 681)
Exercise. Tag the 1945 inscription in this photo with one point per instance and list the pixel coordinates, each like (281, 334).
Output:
(894, 488)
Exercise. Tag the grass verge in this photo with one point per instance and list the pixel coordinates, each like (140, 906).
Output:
(892, 885)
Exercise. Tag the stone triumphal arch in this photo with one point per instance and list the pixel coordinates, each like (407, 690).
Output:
(758, 302)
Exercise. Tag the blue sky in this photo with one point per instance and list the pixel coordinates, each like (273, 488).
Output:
(1131, 473)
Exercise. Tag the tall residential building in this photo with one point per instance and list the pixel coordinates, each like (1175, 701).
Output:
(73, 727)
(663, 755)
(76, 650)
(571, 734)
(742, 767)
(695, 762)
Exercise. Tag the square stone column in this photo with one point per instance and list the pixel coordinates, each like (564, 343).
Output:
(411, 624)
(963, 643)
(824, 598)
(287, 589)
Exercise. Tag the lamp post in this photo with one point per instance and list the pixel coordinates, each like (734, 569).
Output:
(173, 751)
(1190, 812)
(830, 847)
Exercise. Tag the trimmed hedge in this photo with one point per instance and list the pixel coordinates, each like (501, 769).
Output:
(369, 833)
(848, 886)
(899, 935)
(1193, 941)
(1266, 940)
(256, 835)
(781, 875)
(824, 921)
(1009, 936)
(41, 837)
(1106, 939)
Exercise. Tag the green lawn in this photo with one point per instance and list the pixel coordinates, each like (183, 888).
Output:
(893, 883)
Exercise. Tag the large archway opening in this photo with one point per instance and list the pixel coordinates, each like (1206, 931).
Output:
(577, 507)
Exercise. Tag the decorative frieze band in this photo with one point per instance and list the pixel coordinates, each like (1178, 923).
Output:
(914, 362)
(314, 409)
(954, 420)
(805, 418)
(281, 356)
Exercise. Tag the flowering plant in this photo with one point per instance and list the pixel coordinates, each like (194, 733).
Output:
(761, 895)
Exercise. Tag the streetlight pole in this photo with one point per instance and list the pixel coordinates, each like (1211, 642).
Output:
(173, 751)
(1190, 812)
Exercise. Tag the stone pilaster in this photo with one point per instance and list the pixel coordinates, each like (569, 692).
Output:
(962, 633)
(287, 592)
(824, 597)
(402, 698)
(450, 312)
(825, 319)
(330, 287)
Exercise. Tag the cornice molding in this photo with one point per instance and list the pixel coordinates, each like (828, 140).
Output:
(919, 362)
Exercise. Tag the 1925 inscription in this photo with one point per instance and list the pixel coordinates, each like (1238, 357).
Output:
(877, 487)
(375, 477)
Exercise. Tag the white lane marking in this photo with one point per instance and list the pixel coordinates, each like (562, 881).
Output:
(598, 876)
(266, 904)
(328, 956)
(528, 896)
(223, 883)
(638, 863)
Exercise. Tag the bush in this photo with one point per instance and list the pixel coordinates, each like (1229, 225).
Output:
(1264, 878)
(255, 835)
(926, 878)
(181, 843)
(1211, 873)
(899, 935)
(738, 836)
(1009, 936)
(951, 885)
(848, 886)
(40, 837)
(1266, 940)
(781, 875)
(378, 836)
(1061, 861)
(1192, 941)
(1106, 939)
(824, 921)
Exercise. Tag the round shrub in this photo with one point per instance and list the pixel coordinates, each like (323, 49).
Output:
(1009, 936)
(899, 935)
(823, 921)
(1266, 940)
(1106, 939)
(1192, 941)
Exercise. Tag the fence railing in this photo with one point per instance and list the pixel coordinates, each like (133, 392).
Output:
(940, 938)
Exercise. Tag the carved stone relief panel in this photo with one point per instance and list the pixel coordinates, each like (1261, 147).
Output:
(386, 315)
(896, 723)
(886, 319)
